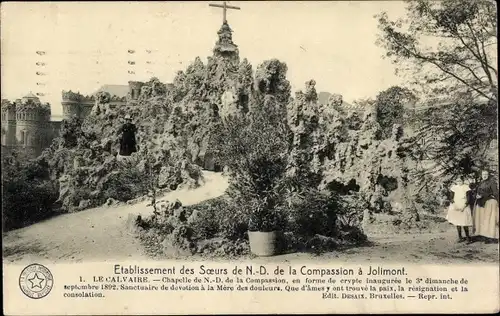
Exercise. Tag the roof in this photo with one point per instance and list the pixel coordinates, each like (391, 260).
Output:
(114, 89)
(30, 96)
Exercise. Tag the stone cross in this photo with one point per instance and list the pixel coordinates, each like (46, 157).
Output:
(224, 7)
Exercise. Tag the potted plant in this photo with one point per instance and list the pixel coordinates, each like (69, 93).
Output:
(264, 229)
(254, 147)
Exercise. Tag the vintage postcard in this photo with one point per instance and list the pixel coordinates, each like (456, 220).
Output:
(249, 157)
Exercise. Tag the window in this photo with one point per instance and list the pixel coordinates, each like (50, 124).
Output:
(22, 137)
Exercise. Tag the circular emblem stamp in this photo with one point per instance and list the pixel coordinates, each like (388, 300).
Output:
(36, 281)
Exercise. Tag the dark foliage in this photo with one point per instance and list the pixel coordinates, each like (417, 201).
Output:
(28, 195)
(390, 105)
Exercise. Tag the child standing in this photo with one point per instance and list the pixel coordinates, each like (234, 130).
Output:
(459, 211)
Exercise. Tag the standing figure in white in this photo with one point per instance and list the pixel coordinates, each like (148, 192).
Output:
(460, 211)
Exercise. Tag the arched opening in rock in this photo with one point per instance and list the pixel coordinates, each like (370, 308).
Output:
(243, 100)
(329, 152)
(215, 110)
(388, 183)
(209, 163)
(314, 121)
(217, 167)
(343, 189)
(262, 86)
(466, 165)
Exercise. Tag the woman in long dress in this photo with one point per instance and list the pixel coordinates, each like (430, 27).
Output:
(459, 212)
(128, 141)
(486, 210)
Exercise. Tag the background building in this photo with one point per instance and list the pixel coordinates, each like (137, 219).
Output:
(75, 104)
(27, 124)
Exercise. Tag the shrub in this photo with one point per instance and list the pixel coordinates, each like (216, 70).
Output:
(351, 209)
(312, 212)
(220, 217)
(28, 195)
(264, 218)
(254, 147)
(125, 184)
(389, 106)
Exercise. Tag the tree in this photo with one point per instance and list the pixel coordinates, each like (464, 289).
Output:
(457, 137)
(27, 191)
(450, 45)
(390, 106)
(448, 49)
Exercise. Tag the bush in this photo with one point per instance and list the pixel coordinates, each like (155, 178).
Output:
(351, 209)
(255, 149)
(390, 109)
(28, 195)
(125, 184)
(312, 212)
(220, 217)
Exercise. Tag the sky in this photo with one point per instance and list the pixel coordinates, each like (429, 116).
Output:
(86, 44)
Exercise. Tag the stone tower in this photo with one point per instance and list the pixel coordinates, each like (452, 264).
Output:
(134, 89)
(76, 105)
(225, 47)
(9, 123)
(33, 129)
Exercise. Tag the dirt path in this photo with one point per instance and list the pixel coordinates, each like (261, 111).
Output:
(424, 248)
(97, 234)
(100, 234)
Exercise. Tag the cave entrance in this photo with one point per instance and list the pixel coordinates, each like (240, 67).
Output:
(343, 189)
(388, 183)
(210, 163)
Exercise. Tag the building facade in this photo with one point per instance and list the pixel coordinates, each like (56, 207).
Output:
(75, 104)
(26, 125)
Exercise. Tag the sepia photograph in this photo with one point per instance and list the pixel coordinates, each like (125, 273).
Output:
(269, 132)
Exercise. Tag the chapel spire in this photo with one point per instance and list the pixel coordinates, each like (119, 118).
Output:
(225, 47)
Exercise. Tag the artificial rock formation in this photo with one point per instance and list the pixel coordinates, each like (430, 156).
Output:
(347, 152)
(85, 159)
(174, 130)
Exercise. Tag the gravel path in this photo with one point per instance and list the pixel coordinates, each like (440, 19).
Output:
(100, 234)
(97, 234)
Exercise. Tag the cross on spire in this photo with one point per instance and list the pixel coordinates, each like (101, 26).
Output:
(224, 7)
